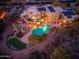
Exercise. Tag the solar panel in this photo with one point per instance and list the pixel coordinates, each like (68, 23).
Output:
(51, 9)
(69, 9)
(68, 1)
(69, 13)
(69, 16)
(41, 9)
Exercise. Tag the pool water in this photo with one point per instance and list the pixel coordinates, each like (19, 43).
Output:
(41, 31)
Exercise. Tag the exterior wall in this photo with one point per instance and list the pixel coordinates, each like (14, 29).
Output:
(43, 0)
(28, 0)
(20, 1)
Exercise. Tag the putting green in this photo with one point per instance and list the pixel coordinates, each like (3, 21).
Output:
(16, 44)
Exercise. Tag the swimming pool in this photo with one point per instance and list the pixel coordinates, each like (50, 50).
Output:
(41, 31)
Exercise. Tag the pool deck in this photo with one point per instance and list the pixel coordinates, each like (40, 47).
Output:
(25, 37)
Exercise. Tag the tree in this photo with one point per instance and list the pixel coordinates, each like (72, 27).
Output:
(2, 26)
(61, 53)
